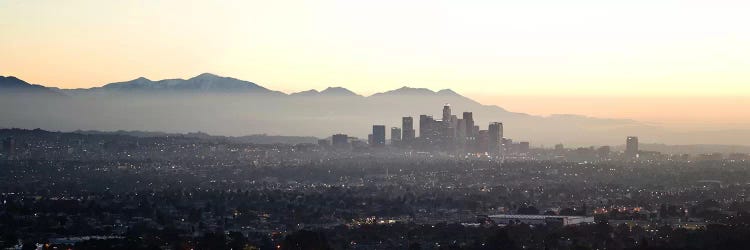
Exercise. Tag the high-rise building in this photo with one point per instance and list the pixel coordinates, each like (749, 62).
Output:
(395, 135)
(407, 123)
(460, 132)
(407, 137)
(426, 128)
(495, 133)
(631, 147)
(423, 123)
(446, 129)
(407, 126)
(447, 113)
(447, 133)
(483, 141)
(340, 141)
(378, 135)
(469, 120)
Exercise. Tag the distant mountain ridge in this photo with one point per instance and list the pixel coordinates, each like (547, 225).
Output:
(228, 106)
(330, 91)
(211, 83)
(11, 84)
(205, 82)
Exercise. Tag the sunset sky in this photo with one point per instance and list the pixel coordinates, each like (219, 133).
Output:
(682, 64)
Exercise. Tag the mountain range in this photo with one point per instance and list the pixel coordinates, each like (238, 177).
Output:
(229, 106)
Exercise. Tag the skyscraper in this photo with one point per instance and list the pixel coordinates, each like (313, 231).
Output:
(407, 123)
(460, 132)
(447, 113)
(631, 147)
(483, 138)
(469, 120)
(407, 126)
(495, 131)
(378, 135)
(426, 131)
(469, 135)
(395, 135)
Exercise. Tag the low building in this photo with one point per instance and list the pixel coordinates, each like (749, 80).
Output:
(510, 219)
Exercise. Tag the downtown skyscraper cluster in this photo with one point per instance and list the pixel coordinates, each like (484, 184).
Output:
(454, 134)
(450, 134)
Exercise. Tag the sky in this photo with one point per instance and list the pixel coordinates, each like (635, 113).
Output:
(683, 64)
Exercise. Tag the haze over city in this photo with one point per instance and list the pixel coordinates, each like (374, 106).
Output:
(681, 65)
(369, 125)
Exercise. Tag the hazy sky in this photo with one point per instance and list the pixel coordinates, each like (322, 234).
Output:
(685, 63)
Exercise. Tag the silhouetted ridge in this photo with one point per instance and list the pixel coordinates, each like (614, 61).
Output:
(208, 76)
(205, 82)
(406, 91)
(338, 91)
(447, 92)
(311, 92)
(14, 85)
(330, 91)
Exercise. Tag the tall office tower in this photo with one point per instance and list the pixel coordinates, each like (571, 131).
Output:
(378, 135)
(483, 141)
(426, 128)
(495, 131)
(469, 135)
(447, 113)
(407, 137)
(407, 126)
(454, 125)
(469, 120)
(460, 132)
(395, 135)
(340, 140)
(631, 147)
(407, 123)
(447, 134)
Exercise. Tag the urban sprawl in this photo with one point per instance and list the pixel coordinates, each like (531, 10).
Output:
(452, 186)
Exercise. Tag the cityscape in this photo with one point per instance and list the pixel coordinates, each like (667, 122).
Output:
(374, 125)
(451, 134)
(454, 186)
(459, 137)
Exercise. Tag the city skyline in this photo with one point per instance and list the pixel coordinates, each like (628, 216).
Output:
(662, 67)
(337, 125)
(135, 100)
